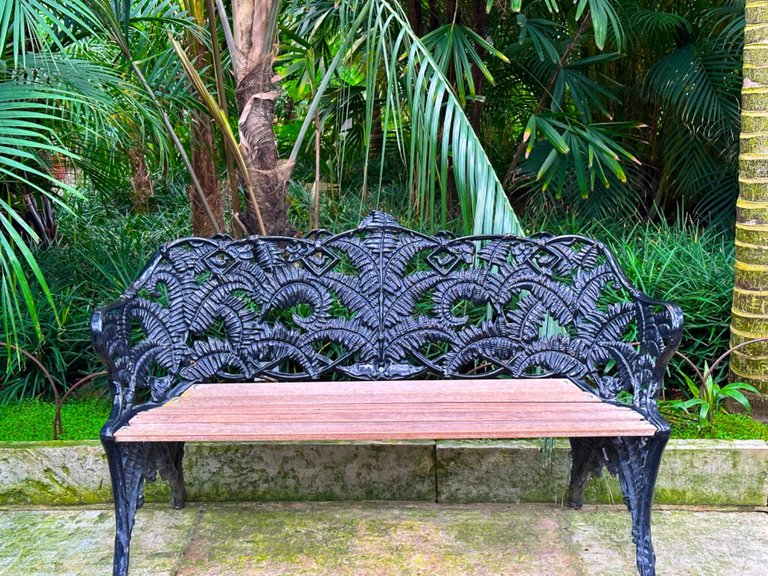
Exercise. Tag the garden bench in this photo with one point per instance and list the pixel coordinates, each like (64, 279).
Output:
(385, 333)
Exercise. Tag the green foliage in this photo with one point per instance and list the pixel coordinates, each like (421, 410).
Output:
(659, 81)
(67, 94)
(101, 252)
(407, 93)
(708, 398)
(724, 426)
(679, 262)
(32, 420)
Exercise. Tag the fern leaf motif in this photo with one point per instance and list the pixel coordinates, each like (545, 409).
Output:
(381, 301)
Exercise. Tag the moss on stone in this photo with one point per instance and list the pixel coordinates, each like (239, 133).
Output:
(726, 427)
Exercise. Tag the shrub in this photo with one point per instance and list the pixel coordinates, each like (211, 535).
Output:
(681, 263)
(100, 251)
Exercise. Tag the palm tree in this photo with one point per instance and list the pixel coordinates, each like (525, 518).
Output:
(749, 319)
(414, 90)
(52, 103)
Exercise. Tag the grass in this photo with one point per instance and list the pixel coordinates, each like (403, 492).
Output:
(726, 427)
(32, 420)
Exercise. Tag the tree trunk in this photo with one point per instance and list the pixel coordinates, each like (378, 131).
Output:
(254, 33)
(415, 16)
(204, 164)
(142, 189)
(750, 294)
(203, 152)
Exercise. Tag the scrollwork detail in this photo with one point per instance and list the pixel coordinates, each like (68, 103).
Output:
(385, 302)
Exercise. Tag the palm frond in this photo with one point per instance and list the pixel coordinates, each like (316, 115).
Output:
(399, 63)
(698, 84)
(453, 45)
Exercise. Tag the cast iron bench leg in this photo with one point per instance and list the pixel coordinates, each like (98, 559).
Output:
(130, 464)
(587, 461)
(638, 460)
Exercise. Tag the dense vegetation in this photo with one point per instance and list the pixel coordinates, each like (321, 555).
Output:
(612, 118)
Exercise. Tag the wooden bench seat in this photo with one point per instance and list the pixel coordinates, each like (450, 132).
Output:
(382, 410)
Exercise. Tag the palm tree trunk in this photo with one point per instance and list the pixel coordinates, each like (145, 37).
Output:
(750, 294)
(142, 188)
(203, 161)
(203, 156)
(255, 24)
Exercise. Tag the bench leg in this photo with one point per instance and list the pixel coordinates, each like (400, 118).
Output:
(587, 461)
(126, 469)
(637, 460)
(130, 465)
(166, 458)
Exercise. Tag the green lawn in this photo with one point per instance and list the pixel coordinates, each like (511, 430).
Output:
(32, 420)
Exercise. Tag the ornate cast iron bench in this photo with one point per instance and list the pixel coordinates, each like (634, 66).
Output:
(237, 340)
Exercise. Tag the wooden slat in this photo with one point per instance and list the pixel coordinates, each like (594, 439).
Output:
(382, 413)
(303, 431)
(383, 410)
(544, 390)
(384, 386)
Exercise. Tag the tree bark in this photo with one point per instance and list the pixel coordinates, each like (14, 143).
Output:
(142, 189)
(479, 26)
(415, 16)
(255, 42)
(204, 164)
(203, 152)
(749, 318)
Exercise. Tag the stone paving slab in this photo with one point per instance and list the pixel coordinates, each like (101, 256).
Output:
(381, 539)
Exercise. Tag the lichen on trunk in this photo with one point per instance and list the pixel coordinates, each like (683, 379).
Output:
(750, 293)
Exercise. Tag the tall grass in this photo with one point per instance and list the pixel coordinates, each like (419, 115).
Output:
(679, 262)
(101, 250)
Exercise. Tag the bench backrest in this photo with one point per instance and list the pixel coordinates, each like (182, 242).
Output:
(383, 302)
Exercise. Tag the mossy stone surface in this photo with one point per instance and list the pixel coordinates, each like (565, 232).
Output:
(691, 472)
(311, 471)
(706, 544)
(79, 542)
(326, 539)
(60, 473)
(381, 539)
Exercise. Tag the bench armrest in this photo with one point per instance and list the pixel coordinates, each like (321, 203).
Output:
(660, 329)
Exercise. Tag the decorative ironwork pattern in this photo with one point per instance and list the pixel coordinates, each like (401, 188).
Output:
(384, 302)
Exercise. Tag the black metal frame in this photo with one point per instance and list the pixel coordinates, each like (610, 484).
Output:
(380, 302)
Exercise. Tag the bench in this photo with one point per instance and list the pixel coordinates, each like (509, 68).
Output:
(385, 333)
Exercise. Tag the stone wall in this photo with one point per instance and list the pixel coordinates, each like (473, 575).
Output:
(705, 472)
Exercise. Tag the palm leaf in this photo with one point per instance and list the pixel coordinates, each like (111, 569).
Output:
(445, 139)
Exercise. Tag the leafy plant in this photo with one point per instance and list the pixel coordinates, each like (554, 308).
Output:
(407, 93)
(707, 396)
(99, 255)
